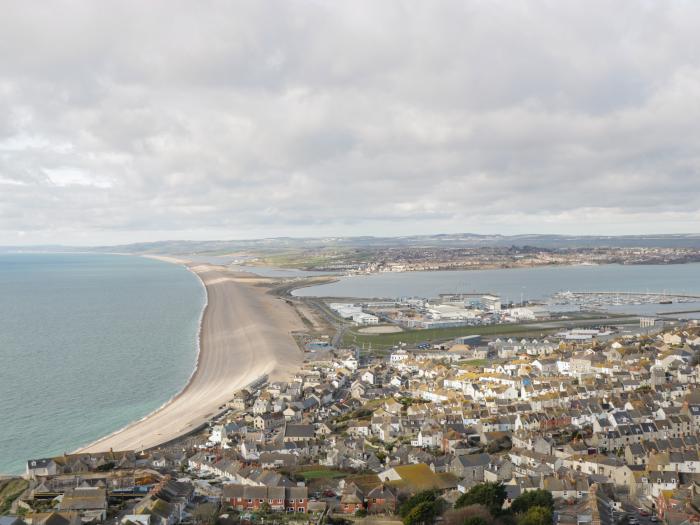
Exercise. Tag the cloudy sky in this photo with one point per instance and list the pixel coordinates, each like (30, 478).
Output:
(129, 121)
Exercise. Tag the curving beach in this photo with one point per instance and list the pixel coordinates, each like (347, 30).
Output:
(245, 334)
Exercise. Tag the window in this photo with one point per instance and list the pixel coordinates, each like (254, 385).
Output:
(300, 509)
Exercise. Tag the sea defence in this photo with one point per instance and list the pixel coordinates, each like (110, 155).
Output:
(245, 334)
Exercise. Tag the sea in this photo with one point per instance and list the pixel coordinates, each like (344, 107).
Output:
(516, 284)
(88, 344)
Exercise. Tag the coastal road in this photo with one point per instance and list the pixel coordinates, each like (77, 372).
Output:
(245, 334)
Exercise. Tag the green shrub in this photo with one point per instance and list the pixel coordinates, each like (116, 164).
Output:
(422, 514)
(490, 495)
(416, 499)
(532, 498)
(536, 516)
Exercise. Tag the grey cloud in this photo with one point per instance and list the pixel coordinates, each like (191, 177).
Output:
(136, 121)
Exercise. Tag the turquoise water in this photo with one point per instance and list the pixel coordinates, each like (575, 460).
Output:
(511, 284)
(88, 343)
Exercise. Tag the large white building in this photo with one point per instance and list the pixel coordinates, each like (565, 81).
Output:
(345, 310)
(365, 318)
(354, 312)
(445, 312)
(491, 302)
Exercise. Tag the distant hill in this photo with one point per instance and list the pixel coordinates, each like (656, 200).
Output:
(271, 245)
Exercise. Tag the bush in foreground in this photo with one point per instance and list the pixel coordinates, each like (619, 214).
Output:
(532, 498)
(536, 516)
(490, 495)
(470, 515)
(415, 500)
(422, 514)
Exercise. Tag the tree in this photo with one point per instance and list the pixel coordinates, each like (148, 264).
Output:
(532, 498)
(490, 495)
(536, 516)
(422, 514)
(415, 500)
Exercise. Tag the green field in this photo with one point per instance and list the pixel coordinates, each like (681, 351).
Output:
(322, 474)
(476, 362)
(412, 337)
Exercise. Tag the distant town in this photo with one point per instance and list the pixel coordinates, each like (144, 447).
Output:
(460, 409)
(367, 260)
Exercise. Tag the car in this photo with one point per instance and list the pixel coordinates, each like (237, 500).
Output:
(633, 521)
(654, 519)
(644, 513)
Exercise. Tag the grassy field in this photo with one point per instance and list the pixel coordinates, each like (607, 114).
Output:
(412, 337)
(322, 474)
(305, 259)
(476, 362)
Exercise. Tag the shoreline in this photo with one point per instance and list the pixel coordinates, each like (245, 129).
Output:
(198, 349)
(213, 381)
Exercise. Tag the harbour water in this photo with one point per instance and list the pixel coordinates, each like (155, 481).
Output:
(513, 284)
(88, 344)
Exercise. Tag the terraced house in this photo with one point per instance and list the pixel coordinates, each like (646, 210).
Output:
(279, 499)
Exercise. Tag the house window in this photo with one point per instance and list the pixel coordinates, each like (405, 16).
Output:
(300, 509)
(250, 501)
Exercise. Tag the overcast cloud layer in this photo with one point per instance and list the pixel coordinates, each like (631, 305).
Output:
(129, 121)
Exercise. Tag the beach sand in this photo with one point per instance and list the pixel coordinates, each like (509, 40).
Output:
(245, 334)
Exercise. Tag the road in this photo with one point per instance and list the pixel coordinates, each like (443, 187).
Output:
(632, 512)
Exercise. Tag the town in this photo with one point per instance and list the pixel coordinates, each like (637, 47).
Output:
(390, 258)
(603, 430)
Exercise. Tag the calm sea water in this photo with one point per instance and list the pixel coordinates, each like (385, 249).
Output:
(511, 284)
(88, 343)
